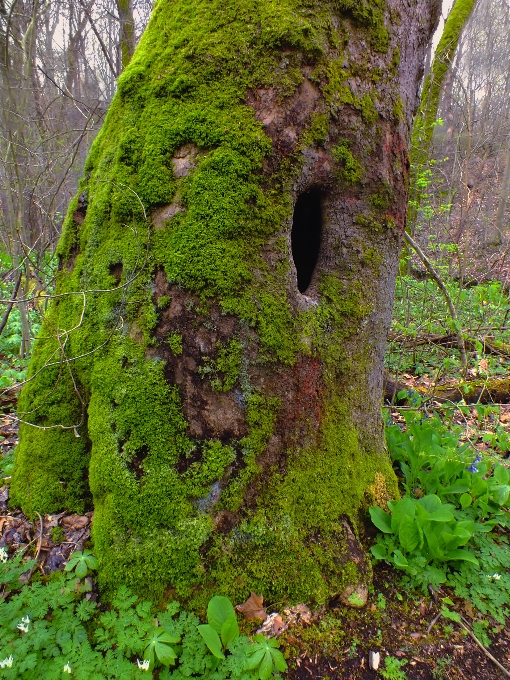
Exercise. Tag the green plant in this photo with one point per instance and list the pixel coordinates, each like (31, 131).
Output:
(57, 534)
(419, 532)
(381, 602)
(222, 627)
(393, 669)
(81, 563)
(49, 628)
(439, 672)
(480, 630)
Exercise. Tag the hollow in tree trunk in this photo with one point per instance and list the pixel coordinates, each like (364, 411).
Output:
(226, 287)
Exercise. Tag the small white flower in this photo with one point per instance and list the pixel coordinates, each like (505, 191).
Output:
(7, 663)
(23, 627)
(4, 555)
(26, 619)
(67, 668)
(496, 577)
(144, 665)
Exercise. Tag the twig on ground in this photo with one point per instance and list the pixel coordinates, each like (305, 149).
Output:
(484, 649)
(433, 622)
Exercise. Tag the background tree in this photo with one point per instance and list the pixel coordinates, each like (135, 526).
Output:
(210, 371)
(58, 65)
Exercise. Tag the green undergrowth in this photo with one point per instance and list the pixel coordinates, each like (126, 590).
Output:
(451, 525)
(421, 312)
(51, 627)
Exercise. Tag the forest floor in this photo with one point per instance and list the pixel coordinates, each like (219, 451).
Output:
(405, 628)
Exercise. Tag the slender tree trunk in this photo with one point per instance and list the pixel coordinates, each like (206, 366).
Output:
(426, 116)
(212, 366)
(127, 40)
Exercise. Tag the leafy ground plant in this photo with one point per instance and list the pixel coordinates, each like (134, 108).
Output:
(393, 669)
(443, 529)
(49, 629)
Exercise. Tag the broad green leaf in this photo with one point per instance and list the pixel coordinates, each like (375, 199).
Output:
(501, 474)
(379, 552)
(279, 660)
(399, 560)
(431, 503)
(266, 666)
(458, 486)
(465, 500)
(91, 561)
(464, 555)
(219, 610)
(254, 660)
(165, 654)
(449, 614)
(408, 534)
(381, 519)
(71, 564)
(81, 569)
(212, 640)
(229, 631)
(441, 515)
(499, 493)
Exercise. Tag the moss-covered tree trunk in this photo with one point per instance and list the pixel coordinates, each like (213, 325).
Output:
(210, 374)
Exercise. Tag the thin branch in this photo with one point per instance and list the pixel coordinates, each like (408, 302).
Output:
(453, 313)
(5, 317)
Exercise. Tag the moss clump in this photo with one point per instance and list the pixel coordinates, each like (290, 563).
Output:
(224, 371)
(351, 171)
(175, 343)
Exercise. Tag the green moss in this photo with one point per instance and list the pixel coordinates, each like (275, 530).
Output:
(175, 343)
(370, 15)
(317, 132)
(368, 110)
(351, 171)
(398, 109)
(223, 371)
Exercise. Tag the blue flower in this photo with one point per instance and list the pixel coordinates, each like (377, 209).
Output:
(474, 465)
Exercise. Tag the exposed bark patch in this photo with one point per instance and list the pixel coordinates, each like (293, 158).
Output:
(285, 120)
(211, 414)
(81, 211)
(165, 213)
(116, 271)
(135, 463)
(184, 160)
(69, 263)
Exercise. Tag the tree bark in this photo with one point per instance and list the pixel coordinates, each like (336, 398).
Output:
(226, 288)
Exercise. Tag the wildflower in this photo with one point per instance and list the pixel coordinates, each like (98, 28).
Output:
(4, 555)
(7, 663)
(67, 668)
(494, 577)
(144, 665)
(474, 465)
(23, 626)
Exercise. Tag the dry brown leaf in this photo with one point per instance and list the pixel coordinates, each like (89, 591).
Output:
(252, 608)
(483, 365)
(75, 522)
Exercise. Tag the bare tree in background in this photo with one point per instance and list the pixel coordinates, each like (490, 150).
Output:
(471, 150)
(59, 62)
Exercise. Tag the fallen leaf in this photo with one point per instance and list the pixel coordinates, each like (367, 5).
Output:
(483, 365)
(252, 608)
(75, 522)
(273, 625)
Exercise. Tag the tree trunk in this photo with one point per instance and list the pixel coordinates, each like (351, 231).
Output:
(424, 124)
(212, 366)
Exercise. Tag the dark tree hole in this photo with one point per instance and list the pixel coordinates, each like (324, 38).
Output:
(306, 236)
